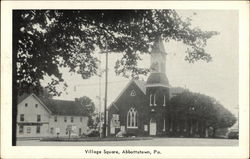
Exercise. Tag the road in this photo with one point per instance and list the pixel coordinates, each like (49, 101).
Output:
(152, 142)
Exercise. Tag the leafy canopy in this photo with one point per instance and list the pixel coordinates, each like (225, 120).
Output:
(88, 105)
(44, 40)
(202, 108)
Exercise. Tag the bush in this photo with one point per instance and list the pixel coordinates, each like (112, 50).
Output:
(233, 134)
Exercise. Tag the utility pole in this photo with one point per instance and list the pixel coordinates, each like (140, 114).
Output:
(100, 97)
(105, 100)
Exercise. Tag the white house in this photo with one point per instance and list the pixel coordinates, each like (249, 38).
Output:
(40, 117)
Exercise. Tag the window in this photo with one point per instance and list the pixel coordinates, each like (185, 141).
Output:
(132, 118)
(164, 100)
(65, 119)
(72, 119)
(38, 129)
(22, 117)
(55, 118)
(80, 131)
(26, 104)
(36, 105)
(38, 118)
(197, 126)
(132, 93)
(164, 125)
(80, 119)
(152, 100)
(21, 129)
(51, 130)
(28, 130)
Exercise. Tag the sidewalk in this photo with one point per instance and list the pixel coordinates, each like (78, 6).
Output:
(96, 139)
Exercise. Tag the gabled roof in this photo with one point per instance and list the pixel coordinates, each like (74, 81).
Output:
(21, 98)
(64, 107)
(141, 85)
(58, 107)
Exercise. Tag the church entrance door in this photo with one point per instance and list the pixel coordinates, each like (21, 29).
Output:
(152, 127)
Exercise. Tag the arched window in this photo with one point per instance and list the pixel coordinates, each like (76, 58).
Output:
(132, 118)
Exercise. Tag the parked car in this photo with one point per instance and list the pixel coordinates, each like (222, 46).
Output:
(91, 133)
(233, 134)
(94, 133)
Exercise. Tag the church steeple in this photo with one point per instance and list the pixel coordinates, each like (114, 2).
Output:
(158, 66)
(158, 58)
(157, 89)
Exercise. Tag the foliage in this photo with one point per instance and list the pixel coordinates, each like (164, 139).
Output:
(202, 108)
(88, 106)
(45, 40)
(90, 122)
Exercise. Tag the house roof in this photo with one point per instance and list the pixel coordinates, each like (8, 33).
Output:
(64, 107)
(22, 97)
(59, 107)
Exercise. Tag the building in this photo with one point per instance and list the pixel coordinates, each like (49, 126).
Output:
(141, 109)
(40, 117)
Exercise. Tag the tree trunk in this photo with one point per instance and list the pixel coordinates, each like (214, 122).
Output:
(15, 37)
(69, 134)
(214, 131)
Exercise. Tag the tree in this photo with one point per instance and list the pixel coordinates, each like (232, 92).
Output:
(88, 106)
(204, 109)
(222, 118)
(44, 40)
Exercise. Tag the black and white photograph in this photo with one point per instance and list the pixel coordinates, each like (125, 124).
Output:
(131, 78)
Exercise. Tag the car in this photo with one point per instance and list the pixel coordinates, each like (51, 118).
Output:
(233, 134)
(91, 133)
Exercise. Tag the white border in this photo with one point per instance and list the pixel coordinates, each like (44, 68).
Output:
(8, 151)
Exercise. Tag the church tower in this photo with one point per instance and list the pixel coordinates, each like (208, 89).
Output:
(157, 90)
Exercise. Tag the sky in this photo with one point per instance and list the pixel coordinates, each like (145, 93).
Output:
(218, 79)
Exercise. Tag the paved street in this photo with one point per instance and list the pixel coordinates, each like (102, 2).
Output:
(153, 142)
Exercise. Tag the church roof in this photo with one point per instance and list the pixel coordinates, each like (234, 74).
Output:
(157, 78)
(141, 85)
(176, 90)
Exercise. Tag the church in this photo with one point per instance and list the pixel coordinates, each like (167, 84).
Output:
(142, 108)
